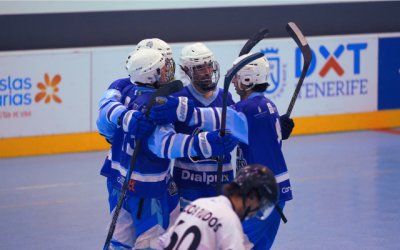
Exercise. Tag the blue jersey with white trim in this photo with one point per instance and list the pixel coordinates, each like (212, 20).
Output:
(201, 174)
(111, 108)
(265, 140)
(150, 176)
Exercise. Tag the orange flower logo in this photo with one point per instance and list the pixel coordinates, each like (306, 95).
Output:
(48, 89)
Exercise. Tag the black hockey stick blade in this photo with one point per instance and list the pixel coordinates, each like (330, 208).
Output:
(228, 79)
(302, 43)
(256, 38)
(164, 90)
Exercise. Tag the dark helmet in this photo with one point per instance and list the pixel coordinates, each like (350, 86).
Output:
(258, 178)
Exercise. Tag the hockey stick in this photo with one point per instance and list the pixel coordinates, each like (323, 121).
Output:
(301, 42)
(164, 90)
(257, 37)
(228, 79)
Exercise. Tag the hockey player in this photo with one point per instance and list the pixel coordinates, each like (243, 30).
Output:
(111, 112)
(256, 119)
(111, 106)
(265, 144)
(197, 178)
(214, 223)
(151, 202)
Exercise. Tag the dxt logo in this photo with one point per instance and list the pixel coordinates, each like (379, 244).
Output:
(332, 59)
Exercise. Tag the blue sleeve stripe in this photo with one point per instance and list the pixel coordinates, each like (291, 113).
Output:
(183, 145)
(177, 146)
(217, 118)
(166, 146)
(170, 146)
(209, 119)
(186, 146)
(103, 104)
(163, 143)
(111, 95)
(116, 113)
(110, 109)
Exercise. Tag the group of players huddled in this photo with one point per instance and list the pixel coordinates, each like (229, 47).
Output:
(175, 204)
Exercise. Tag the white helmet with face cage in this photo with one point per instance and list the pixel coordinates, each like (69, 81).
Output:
(194, 58)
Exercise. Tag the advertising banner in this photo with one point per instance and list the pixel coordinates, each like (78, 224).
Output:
(58, 91)
(342, 77)
(44, 93)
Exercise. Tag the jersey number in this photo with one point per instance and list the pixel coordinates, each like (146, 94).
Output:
(191, 230)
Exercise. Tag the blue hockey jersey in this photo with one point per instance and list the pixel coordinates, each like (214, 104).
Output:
(151, 174)
(202, 174)
(111, 108)
(265, 140)
(255, 122)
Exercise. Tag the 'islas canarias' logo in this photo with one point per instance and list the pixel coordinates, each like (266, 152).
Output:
(49, 89)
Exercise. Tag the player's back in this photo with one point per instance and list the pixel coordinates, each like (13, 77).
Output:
(206, 223)
(265, 140)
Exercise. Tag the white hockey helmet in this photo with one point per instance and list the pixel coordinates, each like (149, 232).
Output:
(256, 72)
(144, 66)
(194, 58)
(196, 54)
(156, 44)
(165, 49)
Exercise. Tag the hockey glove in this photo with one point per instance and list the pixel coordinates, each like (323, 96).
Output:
(137, 124)
(172, 109)
(209, 144)
(287, 126)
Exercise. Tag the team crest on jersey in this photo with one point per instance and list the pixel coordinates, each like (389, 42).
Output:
(172, 188)
(277, 73)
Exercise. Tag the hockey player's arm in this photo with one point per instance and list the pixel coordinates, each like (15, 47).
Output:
(110, 110)
(166, 143)
(209, 119)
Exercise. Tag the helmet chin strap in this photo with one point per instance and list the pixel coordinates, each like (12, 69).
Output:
(246, 212)
(243, 91)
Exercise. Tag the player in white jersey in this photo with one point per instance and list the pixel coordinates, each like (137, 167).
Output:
(214, 223)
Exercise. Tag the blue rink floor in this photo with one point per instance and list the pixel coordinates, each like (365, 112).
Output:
(346, 196)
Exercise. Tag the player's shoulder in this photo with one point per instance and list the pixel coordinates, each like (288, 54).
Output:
(120, 84)
(183, 92)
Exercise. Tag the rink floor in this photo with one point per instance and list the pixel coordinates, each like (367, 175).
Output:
(346, 190)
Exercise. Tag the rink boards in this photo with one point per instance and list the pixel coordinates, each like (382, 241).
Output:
(49, 98)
